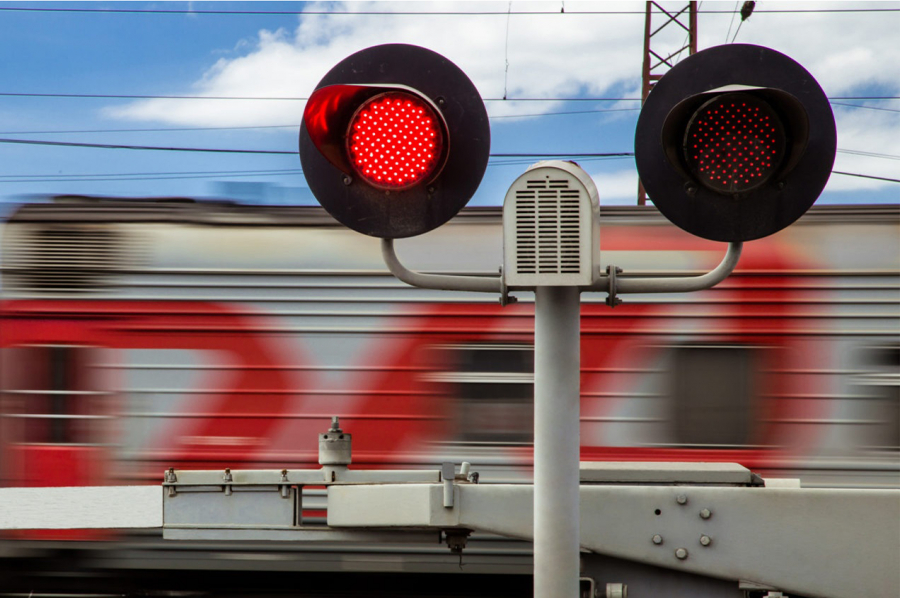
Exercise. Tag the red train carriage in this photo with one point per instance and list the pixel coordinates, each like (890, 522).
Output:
(137, 335)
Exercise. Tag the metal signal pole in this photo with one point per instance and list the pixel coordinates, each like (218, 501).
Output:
(557, 382)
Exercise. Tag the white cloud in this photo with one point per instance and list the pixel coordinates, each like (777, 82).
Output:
(616, 188)
(869, 132)
(552, 55)
(549, 56)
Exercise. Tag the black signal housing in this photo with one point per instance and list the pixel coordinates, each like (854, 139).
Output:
(379, 182)
(745, 173)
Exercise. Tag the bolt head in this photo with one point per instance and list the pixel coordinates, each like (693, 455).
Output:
(681, 499)
(705, 513)
(705, 540)
(657, 539)
(681, 553)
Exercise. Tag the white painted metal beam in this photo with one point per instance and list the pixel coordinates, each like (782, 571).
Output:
(837, 543)
(81, 507)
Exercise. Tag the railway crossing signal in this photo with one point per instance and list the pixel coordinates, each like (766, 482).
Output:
(735, 143)
(394, 141)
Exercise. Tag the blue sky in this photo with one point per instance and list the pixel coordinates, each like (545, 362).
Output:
(552, 55)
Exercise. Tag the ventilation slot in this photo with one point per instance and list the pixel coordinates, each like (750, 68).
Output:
(547, 228)
(64, 259)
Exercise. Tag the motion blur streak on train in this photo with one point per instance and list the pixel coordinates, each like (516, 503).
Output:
(137, 335)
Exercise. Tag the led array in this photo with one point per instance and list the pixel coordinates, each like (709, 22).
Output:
(734, 143)
(395, 140)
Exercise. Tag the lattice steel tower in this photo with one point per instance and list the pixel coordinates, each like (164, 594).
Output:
(663, 47)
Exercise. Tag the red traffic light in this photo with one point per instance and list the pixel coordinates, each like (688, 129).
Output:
(395, 141)
(735, 142)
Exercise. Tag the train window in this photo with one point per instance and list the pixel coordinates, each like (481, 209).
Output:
(713, 391)
(880, 380)
(494, 385)
(47, 395)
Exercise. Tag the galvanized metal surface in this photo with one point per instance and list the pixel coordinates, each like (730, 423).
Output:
(444, 282)
(683, 284)
(557, 355)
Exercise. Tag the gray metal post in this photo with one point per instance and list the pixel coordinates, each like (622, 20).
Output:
(557, 371)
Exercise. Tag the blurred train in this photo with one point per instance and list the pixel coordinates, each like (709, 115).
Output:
(142, 334)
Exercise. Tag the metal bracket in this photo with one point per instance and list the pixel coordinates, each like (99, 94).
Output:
(613, 284)
(456, 541)
(612, 272)
(448, 474)
(441, 282)
(505, 297)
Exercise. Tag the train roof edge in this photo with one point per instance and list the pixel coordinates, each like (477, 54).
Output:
(184, 210)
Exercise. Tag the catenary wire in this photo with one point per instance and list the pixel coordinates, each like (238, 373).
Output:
(291, 126)
(731, 23)
(113, 96)
(297, 173)
(496, 155)
(866, 176)
(276, 152)
(150, 176)
(408, 12)
(171, 173)
(293, 152)
(297, 126)
(142, 147)
(869, 154)
(864, 106)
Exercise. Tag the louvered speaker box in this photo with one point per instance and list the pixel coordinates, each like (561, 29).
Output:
(551, 227)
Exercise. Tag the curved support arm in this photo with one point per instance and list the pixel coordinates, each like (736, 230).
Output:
(442, 282)
(672, 284)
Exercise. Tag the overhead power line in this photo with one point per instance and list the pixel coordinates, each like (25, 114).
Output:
(149, 130)
(297, 125)
(248, 151)
(290, 126)
(249, 174)
(517, 155)
(731, 23)
(158, 173)
(863, 106)
(173, 11)
(292, 152)
(869, 154)
(866, 176)
(278, 152)
(148, 176)
(118, 96)
(143, 147)
(204, 174)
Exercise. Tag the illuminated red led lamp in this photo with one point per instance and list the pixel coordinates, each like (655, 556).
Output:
(734, 143)
(396, 140)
